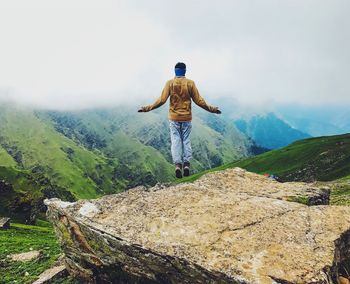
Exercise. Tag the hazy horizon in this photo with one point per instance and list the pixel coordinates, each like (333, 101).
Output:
(83, 54)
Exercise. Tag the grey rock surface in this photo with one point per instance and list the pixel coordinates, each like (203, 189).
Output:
(25, 256)
(51, 274)
(227, 227)
(5, 223)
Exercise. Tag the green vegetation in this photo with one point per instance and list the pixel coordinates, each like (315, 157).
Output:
(340, 194)
(105, 132)
(322, 158)
(116, 130)
(19, 194)
(6, 159)
(23, 238)
(300, 199)
(35, 145)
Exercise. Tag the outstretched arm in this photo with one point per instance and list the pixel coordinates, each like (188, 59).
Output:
(197, 98)
(160, 101)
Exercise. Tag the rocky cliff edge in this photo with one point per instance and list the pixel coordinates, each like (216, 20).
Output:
(228, 227)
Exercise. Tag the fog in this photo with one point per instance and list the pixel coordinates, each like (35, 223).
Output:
(82, 53)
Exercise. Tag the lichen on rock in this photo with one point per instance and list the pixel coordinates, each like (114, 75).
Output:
(228, 227)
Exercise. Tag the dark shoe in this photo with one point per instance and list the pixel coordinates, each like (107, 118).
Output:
(186, 169)
(178, 170)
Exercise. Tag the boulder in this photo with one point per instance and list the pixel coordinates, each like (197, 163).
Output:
(25, 256)
(5, 223)
(52, 274)
(227, 227)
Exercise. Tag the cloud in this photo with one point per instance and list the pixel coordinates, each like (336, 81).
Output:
(82, 53)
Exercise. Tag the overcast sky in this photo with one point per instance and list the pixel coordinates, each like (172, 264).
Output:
(78, 53)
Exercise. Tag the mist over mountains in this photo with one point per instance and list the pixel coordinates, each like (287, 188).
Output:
(269, 131)
(312, 119)
(317, 120)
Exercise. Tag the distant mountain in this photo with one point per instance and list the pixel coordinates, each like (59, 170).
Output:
(269, 131)
(86, 154)
(317, 120)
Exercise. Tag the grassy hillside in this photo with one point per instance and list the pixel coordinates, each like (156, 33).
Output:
(101, 131)
(34, 145)
(39, 162)
(23, 238)
(215, 141)
(6, 159)
(323, 159)
(23, 191)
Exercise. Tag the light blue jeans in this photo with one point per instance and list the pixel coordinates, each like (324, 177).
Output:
(181, 149)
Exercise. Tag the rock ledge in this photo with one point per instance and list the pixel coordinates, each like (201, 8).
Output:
(228, 227)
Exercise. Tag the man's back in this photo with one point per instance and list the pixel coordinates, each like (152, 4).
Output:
(181, 92)
(180, 99)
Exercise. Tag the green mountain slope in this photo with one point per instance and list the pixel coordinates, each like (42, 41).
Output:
(36, 146)
(39, 162)
(99, 131)
(6, 159)
(214, 141)
(86, 154)
(316, 159)
(22, 193)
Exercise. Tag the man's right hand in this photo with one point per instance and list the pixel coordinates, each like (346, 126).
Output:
(141, 109)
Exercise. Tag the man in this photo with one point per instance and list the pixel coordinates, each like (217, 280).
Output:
(181, 91)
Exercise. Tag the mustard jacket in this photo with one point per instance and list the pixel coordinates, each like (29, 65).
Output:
(181, 92)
